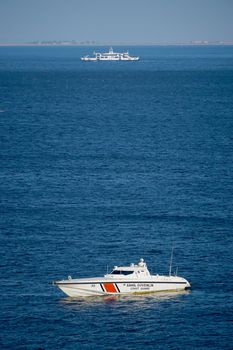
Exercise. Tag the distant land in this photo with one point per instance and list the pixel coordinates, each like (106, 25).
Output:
(96, 43)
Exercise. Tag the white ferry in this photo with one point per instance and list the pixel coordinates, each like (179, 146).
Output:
(110, 56)
(123, 280)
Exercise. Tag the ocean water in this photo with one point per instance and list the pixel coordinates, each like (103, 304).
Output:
(103, 163)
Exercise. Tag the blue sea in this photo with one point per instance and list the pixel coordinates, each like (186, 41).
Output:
(104, 163)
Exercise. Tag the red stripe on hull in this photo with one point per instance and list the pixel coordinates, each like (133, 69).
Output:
(110, 288)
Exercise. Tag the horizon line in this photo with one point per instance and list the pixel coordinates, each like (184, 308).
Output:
(119, 43)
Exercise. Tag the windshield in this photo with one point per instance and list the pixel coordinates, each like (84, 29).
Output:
(121, 272)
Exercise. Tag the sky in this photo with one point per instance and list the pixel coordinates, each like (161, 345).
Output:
(129, 21)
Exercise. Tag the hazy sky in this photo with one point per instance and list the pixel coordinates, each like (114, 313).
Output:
(116, 20)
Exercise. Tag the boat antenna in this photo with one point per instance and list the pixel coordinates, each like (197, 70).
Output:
(171, 259)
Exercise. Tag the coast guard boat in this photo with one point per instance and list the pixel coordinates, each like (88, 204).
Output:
(110, 56)
(123, 280)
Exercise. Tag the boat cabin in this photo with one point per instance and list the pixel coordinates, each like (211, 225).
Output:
(134, 270)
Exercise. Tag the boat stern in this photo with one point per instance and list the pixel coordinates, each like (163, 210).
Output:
(188, 285)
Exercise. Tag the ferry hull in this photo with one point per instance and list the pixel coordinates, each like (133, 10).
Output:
(118, 288)
(93, 59)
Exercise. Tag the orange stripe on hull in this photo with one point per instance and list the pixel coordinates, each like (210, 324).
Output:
(110, 288)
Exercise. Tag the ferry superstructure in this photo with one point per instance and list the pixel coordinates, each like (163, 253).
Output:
(110, 56)
(132, 279)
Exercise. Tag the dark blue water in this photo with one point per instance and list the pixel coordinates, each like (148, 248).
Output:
(105, 163)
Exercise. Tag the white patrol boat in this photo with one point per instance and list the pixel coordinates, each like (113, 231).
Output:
(110, 56)
(123, 280)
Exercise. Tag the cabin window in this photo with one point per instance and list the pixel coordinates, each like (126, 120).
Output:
(121, 272)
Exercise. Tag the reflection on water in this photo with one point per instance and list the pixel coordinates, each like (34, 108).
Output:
(135, 300)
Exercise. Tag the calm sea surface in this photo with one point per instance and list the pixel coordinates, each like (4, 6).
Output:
(103, 163)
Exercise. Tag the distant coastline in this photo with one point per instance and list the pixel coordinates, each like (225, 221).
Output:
(95, 43)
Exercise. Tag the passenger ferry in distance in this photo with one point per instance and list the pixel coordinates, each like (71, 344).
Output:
(110, 56)
(123, 280)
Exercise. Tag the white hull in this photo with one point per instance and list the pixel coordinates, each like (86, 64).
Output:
(109, 59)
(88, 59)
(78, 288)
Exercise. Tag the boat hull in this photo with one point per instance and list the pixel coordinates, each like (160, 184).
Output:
(88, 59)
(79, 289)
